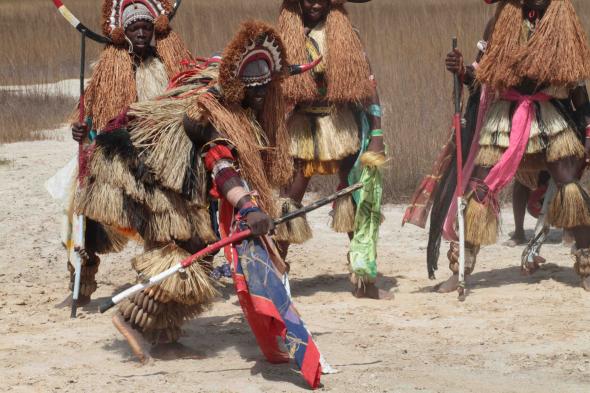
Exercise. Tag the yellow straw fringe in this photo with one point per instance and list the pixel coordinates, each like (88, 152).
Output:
(326, 138)
(117, 240)
(344, 214)
(529, 179)
(296, 231)
(115, 171)
(300, 130)
(481, 224)
(564, 144)
(311, 168)
(336, 135)
(569, 209)
(191, 288)
(489, 156)
(158, 133)
(373, 159)
(104, 203)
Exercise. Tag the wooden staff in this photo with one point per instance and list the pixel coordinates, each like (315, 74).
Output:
(235, 238)
(459, 190)
(80, 220)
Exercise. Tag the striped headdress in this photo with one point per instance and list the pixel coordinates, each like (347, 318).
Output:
(113, 16)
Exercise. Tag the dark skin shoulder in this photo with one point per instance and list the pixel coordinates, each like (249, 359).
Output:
(580, 101)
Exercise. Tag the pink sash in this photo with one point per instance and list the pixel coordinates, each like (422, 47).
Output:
(505, 170)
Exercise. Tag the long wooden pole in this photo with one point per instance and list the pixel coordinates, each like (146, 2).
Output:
(80, 221)
(459, 190)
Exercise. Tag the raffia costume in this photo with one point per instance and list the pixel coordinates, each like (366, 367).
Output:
(146, 176)
(329, 125)
(118, 80)
(525, 128)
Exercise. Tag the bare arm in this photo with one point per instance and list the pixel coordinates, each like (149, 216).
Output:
(581, 103)
(374, 113)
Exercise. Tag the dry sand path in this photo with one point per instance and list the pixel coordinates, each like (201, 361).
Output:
(513, 334)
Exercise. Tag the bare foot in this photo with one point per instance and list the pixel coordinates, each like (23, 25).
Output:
(515, 240)
(448, 286)
(370, 291)
(529, 268)
(83, 300)
(134, 339)
(586, 284)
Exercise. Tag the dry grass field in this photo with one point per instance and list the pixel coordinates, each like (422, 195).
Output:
(406, 41)
(22, 116)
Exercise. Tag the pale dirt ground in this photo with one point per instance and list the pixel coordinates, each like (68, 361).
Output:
(513, 334)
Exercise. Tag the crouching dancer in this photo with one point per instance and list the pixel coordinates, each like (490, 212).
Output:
(217, 134)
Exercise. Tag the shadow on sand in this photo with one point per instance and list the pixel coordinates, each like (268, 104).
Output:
(333, 283)
(512, 275)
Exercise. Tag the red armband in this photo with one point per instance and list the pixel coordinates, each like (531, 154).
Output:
(216, 153)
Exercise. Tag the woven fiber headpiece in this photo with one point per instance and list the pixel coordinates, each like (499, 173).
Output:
(112, 86)
(254, 57)
(117, 14)
(135, 13)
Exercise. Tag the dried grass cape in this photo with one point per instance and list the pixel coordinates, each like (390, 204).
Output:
(213, 96)
(347, 69)
(112, 86)
(557, 54)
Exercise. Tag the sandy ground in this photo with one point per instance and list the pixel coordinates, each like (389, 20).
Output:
(513, 334)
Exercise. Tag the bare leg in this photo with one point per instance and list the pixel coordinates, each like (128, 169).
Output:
(567, 237)
(297, 189)
(520, 197)
(134, 338)
(448, 286)
(85, 298)
(452, 283)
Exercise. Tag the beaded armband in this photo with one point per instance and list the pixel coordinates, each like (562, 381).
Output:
(377, 132)
(375, 110)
